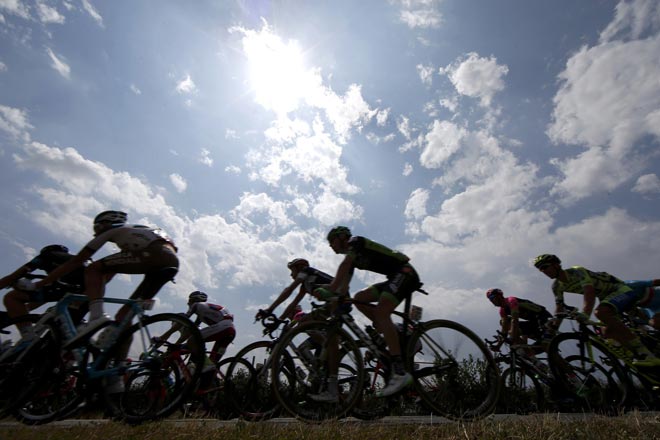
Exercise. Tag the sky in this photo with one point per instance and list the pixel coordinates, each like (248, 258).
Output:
(470, 135)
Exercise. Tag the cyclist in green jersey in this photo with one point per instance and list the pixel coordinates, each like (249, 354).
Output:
(402, 281)
(614, 297)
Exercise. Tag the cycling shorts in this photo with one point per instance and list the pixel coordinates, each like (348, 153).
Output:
(398, 287)
(623, 299)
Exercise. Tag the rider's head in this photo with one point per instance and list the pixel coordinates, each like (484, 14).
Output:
(495, 296)
(338, 237)
(54, 249)
(549, 264)
(296, 265)
(197, 297)
(108, 220)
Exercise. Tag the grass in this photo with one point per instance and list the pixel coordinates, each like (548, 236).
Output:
(537, 427)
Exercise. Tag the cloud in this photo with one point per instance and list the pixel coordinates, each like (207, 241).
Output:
(608, 102)
(178, 182)
(233, 169)
(60, 66)
(632, 19)
(476, 77)
(205, 157)
(647, 184)
(48, 14)
(135, 89)
(254, 205)
(186, 86)
(3, 67)
(15, 7)
(15, 122)
(425, 74)
(442, 142)
(420, 13)
(91, 10)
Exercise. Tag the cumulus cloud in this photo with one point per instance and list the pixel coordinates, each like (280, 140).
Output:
(178, 182)
(15, 7)
(647, 184)
(186, 85)
(607, 103)
(632, 19)
(425, 74)
(441, 142)
(60, 66)
(205, 157)
(15, 122)
(135, 89)
(477, 77)
(48, 14)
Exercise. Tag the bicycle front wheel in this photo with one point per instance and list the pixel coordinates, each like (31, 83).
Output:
(298, 380)
(522, 393)
(453, 371)
(149, 375)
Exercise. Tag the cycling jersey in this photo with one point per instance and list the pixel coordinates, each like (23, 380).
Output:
(209, 314)
(374, 257)
(650, 296)
(311, 278)
(49, 261)
(525, 309)
(578, 278)
(130, 237)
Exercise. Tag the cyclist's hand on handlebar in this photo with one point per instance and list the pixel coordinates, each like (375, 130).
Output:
(579, 316)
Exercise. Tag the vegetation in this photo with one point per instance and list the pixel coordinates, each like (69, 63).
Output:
(542, 426)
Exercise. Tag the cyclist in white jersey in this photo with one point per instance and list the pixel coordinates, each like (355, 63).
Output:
(144, 250)
(219, 323)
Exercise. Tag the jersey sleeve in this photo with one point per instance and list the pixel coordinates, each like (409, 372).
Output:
(513, 306)
(558, 292)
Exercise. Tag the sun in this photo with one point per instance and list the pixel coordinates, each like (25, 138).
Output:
(277, 72)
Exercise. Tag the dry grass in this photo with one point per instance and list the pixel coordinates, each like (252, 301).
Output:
(539, 427)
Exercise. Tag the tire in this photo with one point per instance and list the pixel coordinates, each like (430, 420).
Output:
(157, 378)
(586, 368)
(369, 406)
(248, 383)
(521, 393)
(453, 371)
(295, 378)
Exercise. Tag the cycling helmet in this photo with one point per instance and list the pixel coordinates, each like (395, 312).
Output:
(198, 297)
(117, 218)
(492, 293)
(297, 262)
(338, 230)
(54, 248)
(545, 259)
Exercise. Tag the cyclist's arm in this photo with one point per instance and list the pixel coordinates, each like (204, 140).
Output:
(343, 276)
(14, 276)
(589, 299)
(284, 295)
(64, 269)
(289, 311)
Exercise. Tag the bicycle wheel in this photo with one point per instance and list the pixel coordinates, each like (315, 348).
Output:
(369, 406)
(521, 393)
(23, 368)
(148, 377)
(589, 370)
(295, 378)
(60, 393)
(453, 371)
(248, 383)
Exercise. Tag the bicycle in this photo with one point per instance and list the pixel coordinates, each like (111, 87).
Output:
(137, 375)
(248, 376)
(453, 371)
(528, 385)
(590, 367)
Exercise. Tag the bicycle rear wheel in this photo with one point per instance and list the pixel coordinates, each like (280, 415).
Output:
(296, 378)
(522, 393)
(150, 377)
(589, 370)
(248, 383)
(453, 371)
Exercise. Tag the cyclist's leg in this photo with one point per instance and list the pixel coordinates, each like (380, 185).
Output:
(221, 334)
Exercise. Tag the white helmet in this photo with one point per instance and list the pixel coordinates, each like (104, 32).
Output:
(117, 218)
